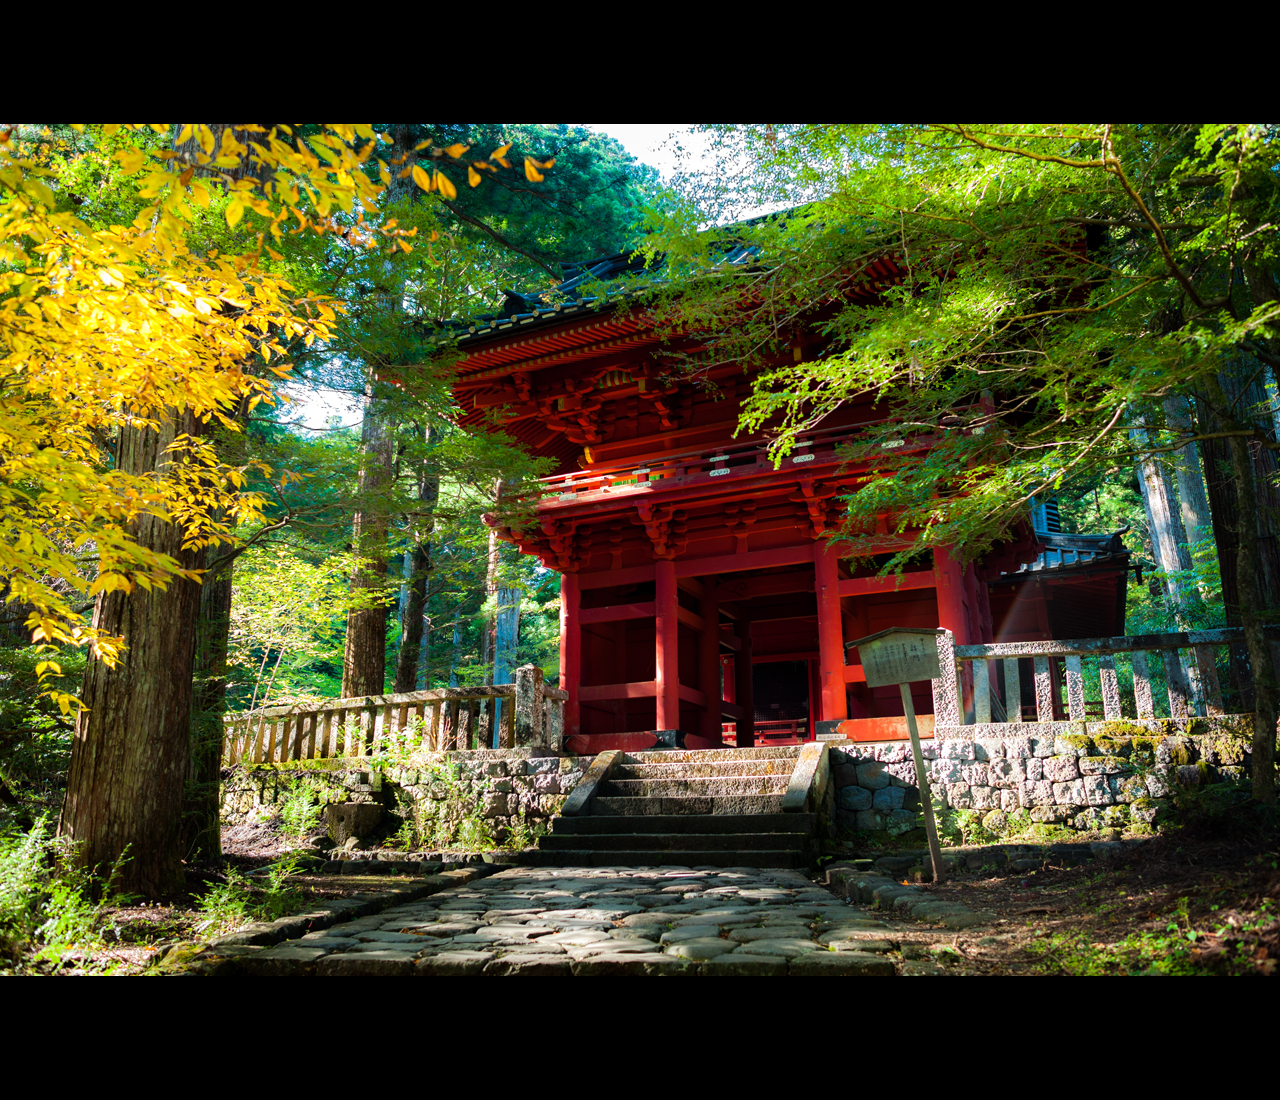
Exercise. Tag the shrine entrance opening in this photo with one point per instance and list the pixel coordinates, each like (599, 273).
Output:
(782, 691)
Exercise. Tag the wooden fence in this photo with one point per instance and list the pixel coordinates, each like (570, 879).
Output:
(1190, 673)
(524, 713)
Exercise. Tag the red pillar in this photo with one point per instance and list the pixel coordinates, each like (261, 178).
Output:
(709, 653)
(826, 583)
(950, 588)
(570, 652)
(743, 690)
(950, 572)
(667, 633)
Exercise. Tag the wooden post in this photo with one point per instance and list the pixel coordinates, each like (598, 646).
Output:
(743, 691)
(666, 640)
(709, 661)
(507, 735)
(922, 782)
(832, 704)
(570, 651)
(528, 708)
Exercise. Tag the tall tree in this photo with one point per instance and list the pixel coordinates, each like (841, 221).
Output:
(119, 335)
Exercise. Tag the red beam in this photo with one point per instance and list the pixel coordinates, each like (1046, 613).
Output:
(884, 729)
(691, 618)
(752, 587)
(773, 658)
(853, 674)
(639, 689)
(615, 578)
(866, 586)
(753, 559)
(618, 611)
(692, 695)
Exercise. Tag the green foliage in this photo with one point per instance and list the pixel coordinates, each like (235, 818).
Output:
(50, 906)
(1041, 308)
(299, 810)
(35, 737)
(239, 900)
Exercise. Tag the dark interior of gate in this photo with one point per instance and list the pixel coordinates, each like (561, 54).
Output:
(701, 589)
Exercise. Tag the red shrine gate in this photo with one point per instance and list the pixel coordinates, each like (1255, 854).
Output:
(699, 593)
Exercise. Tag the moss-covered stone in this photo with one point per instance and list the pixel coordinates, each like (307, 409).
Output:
(1119, 728)
(1081, 742)
(1144, 810)
(1114, 745)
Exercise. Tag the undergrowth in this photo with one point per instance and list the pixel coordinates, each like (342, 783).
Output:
(51, 908)
(238, 900)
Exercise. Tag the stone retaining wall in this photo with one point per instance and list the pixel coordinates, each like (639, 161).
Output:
(445, 799)
(1078, 775)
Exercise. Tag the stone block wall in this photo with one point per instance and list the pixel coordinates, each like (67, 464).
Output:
(1077, 775)
(447, 799)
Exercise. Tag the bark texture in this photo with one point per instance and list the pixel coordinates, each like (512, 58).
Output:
(132, 741)
(413, 619)
(1196, 517)
(365, 655)
(1164, 521)
(201, 817)
(1266, 687)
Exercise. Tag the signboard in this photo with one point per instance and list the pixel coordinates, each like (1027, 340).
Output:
(902, 657)
(899, 656)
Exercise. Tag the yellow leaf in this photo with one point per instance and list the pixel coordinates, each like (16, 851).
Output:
(445, 186)
(456, 151)
(531, 173)
(235, 211)
(185, 135)
(206, 139)
(200, 193)
(405, 246)
(473, 177)
(421, 178)
(131, 159)
(498, 154)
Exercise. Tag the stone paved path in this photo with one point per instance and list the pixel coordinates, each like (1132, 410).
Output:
(604, 921)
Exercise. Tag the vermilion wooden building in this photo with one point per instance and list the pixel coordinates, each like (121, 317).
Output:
(699, 593)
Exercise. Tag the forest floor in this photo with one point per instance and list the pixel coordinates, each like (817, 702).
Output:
(1177, 904)
(1173, 905)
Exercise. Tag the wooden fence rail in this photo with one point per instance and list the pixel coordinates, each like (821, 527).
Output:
(524, 713)
(1192, 681)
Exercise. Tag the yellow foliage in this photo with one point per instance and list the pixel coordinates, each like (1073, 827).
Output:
(103, 329)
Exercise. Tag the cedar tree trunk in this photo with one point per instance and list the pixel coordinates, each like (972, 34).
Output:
(132, 740)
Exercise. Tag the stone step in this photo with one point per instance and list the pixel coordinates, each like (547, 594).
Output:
(696, 786)
(706, 756)
(657, 858)
(685, 804)
(715, 769)
(700, 842)
(685, 823)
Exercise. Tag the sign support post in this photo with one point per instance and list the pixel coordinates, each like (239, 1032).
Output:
(902, 657)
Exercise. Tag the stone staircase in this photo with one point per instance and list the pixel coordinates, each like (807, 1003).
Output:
(713, 807)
